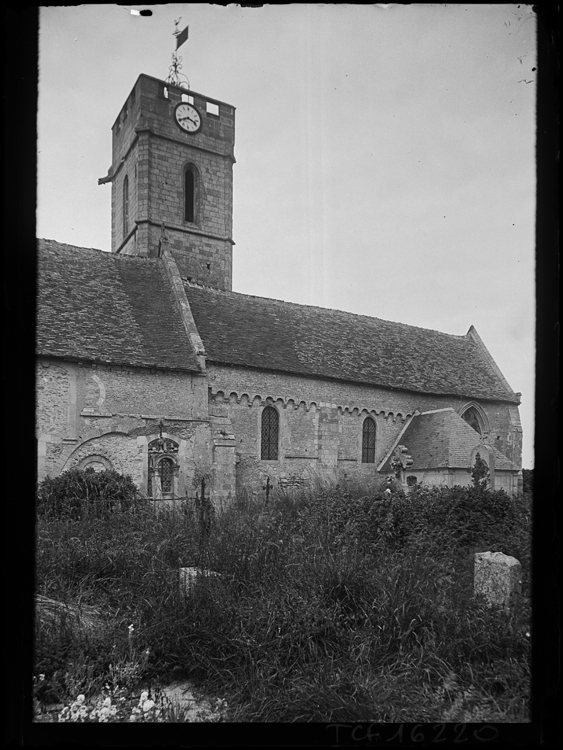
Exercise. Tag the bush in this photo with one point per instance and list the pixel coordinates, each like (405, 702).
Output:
(76, 493)
(528, 480)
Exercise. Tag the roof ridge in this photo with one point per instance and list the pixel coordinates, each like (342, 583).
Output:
(64, 245)
(56, 245)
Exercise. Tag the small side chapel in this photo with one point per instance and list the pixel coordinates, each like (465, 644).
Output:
(149, 363)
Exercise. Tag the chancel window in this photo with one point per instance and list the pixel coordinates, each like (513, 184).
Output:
(368, 441)
(163, 468)
(125, 206)
(472, 417)
(270, 434)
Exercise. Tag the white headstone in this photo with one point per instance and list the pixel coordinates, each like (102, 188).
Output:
(188, 577)
(498, 577)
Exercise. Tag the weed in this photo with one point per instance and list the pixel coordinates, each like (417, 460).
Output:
(339, 603)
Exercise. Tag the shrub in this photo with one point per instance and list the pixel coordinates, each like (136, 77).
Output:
(528, 480)
(76, 493)
(480, 473)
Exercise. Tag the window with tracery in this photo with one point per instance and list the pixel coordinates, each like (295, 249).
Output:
(473, 419)
(163, 468)
(270, 434)
(368, 441)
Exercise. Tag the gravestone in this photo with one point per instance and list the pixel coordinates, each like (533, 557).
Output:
(188, 577)
(498, 577)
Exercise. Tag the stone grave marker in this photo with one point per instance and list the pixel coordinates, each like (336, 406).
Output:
(498, 577)
(188, 577)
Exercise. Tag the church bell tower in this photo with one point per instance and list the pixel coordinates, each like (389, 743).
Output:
(172, 179)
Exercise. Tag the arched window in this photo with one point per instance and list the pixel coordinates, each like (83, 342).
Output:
(270, 434)
(368, 441)
(189, 194)
(125, 205)
(473, 419)
(162, 468)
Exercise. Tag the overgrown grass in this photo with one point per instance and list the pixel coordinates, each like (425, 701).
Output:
(340, 604)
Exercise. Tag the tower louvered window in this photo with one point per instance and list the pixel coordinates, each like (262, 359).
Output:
(189, 195)
(270, 434)
(368, 441)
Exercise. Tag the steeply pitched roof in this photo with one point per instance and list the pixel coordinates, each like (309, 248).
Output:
(238, 329)
(120, 309)
(442, 440)
(100, 307)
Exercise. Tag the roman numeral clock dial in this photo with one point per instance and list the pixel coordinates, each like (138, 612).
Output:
(187, 117)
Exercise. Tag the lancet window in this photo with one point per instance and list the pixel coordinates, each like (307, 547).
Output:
(190, 182)
(473, 419)
(270, 434)
(368, 441)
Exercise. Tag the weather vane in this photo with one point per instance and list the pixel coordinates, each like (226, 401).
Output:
(174, 74)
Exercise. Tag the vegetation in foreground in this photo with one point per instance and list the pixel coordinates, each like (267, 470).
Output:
(343, 603)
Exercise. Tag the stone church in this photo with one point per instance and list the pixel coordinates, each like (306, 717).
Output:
(149, 363)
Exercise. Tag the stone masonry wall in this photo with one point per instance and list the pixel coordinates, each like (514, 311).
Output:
(506, 430)
(320, 422)
(53, 398)
(149, 147)
(131, 170)
(108, 416)
(112, 413)
(214, 174)
(138, 391)
(202, 249)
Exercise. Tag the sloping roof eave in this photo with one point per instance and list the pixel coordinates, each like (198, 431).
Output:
(113, 362)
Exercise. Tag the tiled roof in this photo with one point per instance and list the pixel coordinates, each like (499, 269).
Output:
(239, 329)
(100, 307)
(120, 309)
(442, 440)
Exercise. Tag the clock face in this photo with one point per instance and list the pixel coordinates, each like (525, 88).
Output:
(187, 117)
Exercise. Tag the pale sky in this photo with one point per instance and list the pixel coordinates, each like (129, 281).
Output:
(385, 153)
